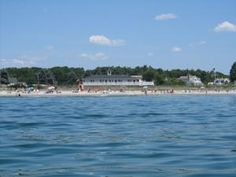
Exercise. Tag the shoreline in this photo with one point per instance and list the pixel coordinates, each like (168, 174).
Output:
(116, 93)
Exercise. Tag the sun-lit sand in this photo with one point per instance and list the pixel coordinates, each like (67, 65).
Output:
(42, 93)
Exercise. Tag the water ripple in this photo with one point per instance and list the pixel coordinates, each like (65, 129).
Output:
(187, 136)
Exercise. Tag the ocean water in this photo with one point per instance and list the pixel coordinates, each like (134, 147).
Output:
(180, 136)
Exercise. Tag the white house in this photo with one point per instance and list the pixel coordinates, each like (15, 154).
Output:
(221, 81)
(191, 80)
(115, 80)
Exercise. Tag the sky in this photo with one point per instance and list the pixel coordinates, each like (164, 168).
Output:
(166, 34)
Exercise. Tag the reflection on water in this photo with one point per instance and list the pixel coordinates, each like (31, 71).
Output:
(118, 136)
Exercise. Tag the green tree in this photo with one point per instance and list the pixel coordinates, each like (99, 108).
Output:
(233, 72)
(159, 79)
(68, 75)
(148, 75)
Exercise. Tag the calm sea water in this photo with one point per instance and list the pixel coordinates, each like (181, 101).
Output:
(183, 136)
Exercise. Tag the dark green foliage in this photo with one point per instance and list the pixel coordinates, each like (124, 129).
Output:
(149, 75)
(69, 75)
(233, 72)
(159, 79)
(4, 77)
(63, 75)
(45, 76)
(28, 75)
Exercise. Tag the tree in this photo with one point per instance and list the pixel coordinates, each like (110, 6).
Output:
(148, 75)
(159, 79)
(233, 72)
(71, 78)
(68, 75)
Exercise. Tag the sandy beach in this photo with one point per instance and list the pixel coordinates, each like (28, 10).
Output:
(43, 93)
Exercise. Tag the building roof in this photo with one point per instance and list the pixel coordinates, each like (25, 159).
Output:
(113, 77)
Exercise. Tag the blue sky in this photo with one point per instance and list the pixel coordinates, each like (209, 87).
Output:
(86, 33)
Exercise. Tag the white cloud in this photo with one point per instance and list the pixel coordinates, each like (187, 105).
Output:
(23, 61)
(103, 40)
(225, 26)
(16, 62)
(94, 57)
(163, 17)
(176, 49)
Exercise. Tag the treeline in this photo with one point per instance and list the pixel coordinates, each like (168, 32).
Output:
(62, 75)
(69, 75)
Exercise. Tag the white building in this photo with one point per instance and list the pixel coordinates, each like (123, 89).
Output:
(221, 81)
(191, 80)
(115, 80)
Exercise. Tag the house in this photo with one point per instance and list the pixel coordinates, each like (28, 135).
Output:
(115, 80)
(221, 81)
(191, 80)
